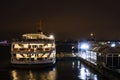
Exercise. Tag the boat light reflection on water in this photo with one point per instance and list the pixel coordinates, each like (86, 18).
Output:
(85, 74)
(33, 75)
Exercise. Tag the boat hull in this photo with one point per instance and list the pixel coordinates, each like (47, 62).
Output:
(33, 66)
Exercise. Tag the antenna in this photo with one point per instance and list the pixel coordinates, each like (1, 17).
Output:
(40, 26)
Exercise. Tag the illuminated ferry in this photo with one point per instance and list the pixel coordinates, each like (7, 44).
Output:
(32, 50)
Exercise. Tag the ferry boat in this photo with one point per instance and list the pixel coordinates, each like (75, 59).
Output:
(33, 50)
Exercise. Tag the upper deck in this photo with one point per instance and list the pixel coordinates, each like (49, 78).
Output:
(40, 35)
(35, 38)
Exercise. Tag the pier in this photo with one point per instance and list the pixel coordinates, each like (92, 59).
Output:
(102, 56)
(104, 71)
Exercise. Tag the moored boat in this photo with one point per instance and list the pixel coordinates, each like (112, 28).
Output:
(33, 50)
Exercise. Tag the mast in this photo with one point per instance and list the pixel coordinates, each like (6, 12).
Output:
(40, 26)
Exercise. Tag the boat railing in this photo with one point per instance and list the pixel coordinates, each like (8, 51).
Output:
(30, 60)
(34, 40)
(38, 50)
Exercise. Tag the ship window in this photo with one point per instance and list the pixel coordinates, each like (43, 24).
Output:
(29, 46)
(34, 46)
(109, 55)
(115, 55)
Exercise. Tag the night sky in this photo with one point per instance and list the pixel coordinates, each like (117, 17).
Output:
(66, 19)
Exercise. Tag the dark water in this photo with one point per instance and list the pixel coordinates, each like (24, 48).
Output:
(63, 70)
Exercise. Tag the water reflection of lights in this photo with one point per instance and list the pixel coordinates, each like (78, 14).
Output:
(78, 66)
(51, 75)
(33, 75)
(73, 64)
(85, 74)
(95, 77)
(30, 76)
(14, 75)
